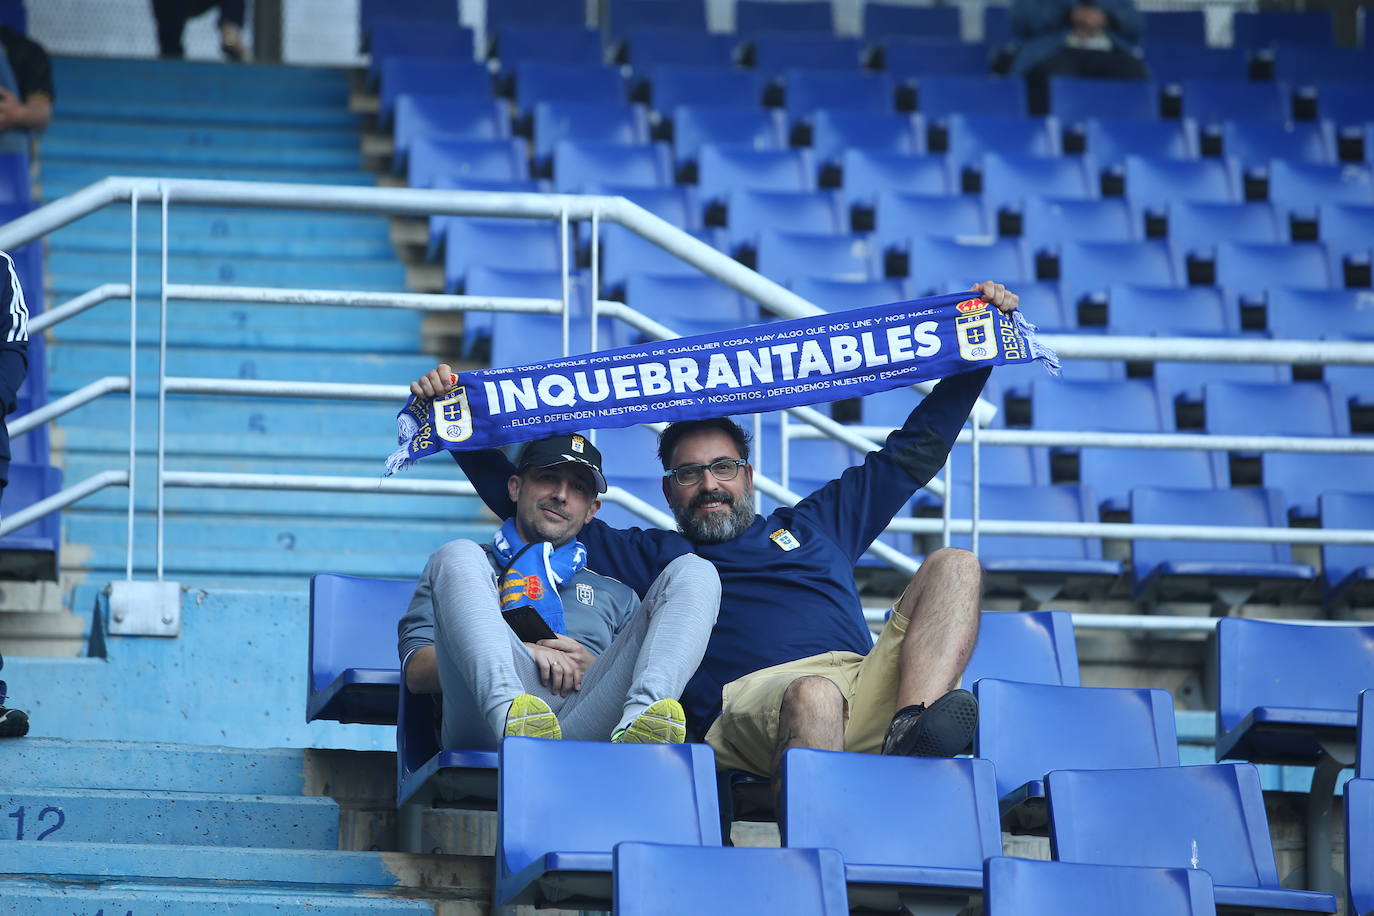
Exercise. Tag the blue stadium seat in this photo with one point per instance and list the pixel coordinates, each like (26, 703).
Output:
(1040, 556)
(752, 212)
(1259, 30)
(1026, 887)
(1177, 27)
(1302, 477)
(646, 48)
(703, 298)
(666, 794)
(528, 337)
(579, 164)
(1364, 738)
(397, 39)
(484, 160)
(835, 130)
(402, 75)
(1195, 228)
(1016, 136)
(1359, 844)
(445, 118)
(1113, 472)
(722, 169)
(31, 552)
(369, 11)
(1140, 310)
(1009, 180)
(1033, 647)
(1214, 101)
(777, 52)
(1173, 63)
(752, 128)
(868, 173)
(905, 59)
(1111, 140)
(354, 671)
(542, 12)
(537, 81)
(1214, 820)
(900, 216)
(1254, 143)
(1088, 269)
(1274, 409)
(629, 452)
(1027, 730)
(1123, 406)
(1047, 222)
(1153, 184)
(885, 20)
(1306, 65)
(934, 260)
(1212, 567)
(1300, 187)
(1347, 231)
(996, 24)
(826, 802)
(1345, 103)
(1348, 570)
(1075, 99)
(1248, 268)
(657, 880)
(789, 256)
(1284, 689)
(594, 121)
(808, 90)
(427, 772)
(518, 244)
(1308, 314)
(836, 295)
(1183, 383)
(626, 15)
(675, 203)
(941, 96)
(678, 84)
(623, 253)
(754, 16)
(517, 45)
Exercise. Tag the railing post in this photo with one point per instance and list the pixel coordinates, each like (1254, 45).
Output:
(162, 386)
(133, 378)
(563, 264)
(975, 481)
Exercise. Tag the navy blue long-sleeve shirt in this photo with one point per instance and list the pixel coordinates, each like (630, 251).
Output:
(778, 605)
(14, 352)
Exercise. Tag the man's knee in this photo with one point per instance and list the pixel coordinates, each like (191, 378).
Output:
(457, 553)
(953, 563)
(812, 696)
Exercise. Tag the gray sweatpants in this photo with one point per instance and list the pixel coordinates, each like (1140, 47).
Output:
(483, 665)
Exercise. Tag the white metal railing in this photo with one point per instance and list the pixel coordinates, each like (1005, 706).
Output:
(564, 209)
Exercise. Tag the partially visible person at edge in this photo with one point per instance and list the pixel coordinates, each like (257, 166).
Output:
(1080, 38)
(791, 662)
(26, 90)
(172, 16)
(615, 667)
(14, 365)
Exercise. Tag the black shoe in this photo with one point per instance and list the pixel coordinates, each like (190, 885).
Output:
(14, 723)
(942, 730)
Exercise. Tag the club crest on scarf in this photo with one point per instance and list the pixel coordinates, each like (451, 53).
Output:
(452, 419)
(533, 572)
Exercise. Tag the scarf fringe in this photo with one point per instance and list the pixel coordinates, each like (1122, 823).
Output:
(1038, 350)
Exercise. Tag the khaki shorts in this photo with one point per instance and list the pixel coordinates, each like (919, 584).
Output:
(745, 737)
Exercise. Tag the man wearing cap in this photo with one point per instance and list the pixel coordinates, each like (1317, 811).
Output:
(616, 666)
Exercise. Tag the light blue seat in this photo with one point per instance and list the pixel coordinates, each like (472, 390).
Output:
(1113, 472)
(808, 90)
(941, 96)
(404, 39)
(1144, 310)
(1253, 143)
(675, 203)
(657, 880)
(1127, 405)
(624, 252)
(432, 159)
(1027, 730)
(1364, 737)
(722, 169)
(1295, 313)
(650, 46)
(538, 81)
(901, 215)
(1300, 187)
(1302, 477)
(1033, 647)
(833, 130)
(354, 671)
(519, 244)
(1110, 140)
(1058, 559)
(1206, 817)
(1087, 269)
(1196, 227)
(1250, 268)
(1348, 570)
(751, 128)
(1075, 99)
(665, 793)
(1215, 101)
(1152, 184)
(579, 164)
(788, 256)
(755, 16)
(1048, 222)
(701, 298)
(885, 20)
(935, 826)
(519, 338)
(837, 295)
(868, 173)
(1016, 136)
(458, 78)
(1025, 887)
(934, 260)
(681, 84)
(1009, 179)
(1348, 233)
(1344, 103)
(1275, 409)
(598, 122)
(775, 53)
(515, 45)
(753, 212)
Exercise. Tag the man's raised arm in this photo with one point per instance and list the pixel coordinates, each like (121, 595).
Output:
(487, 469)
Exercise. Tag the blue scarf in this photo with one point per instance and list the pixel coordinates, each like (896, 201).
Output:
(533, 573)
(753, 369)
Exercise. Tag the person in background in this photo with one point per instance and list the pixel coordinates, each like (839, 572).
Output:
(172, 15)
(1082, 38)
(14, 365)
(26, 91)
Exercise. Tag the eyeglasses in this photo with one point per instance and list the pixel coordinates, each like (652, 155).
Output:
(721, 469)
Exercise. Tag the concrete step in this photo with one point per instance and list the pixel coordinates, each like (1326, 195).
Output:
(249, 115)
(183, 244)
(311, 871)
(225, 317)
(74, 364)
(94, 268)
(48, 899)
(115, 92)
(79, 69)
(180, 818)
(73, 131)
(191, 564)
(80, 150)
(251, 222)
(47, 633)
(183, 333)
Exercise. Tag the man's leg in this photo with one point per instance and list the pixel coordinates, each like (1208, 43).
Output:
(483, 666)
(811, 715)
(171, 22)
(652, 658)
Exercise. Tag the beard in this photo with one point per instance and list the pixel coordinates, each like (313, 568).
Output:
(716, 528)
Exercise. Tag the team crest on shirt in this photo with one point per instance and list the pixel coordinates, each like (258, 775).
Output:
(452, 420)
(784, 539)
(585, 594)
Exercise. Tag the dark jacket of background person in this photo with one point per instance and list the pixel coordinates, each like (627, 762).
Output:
(1040, 27)
(14, 353)
(26, 73)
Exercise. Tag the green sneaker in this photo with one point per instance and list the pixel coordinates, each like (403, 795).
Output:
(662, 723)
(531, 717)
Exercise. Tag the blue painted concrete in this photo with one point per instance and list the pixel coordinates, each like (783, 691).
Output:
(80, 149)
(49, 900)
(45, 763)
(184, 112)
(249, 222)
(195, 136)
(94, 268)
(265, 75)
(180, 818)
(184, 243)
(80, 363)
